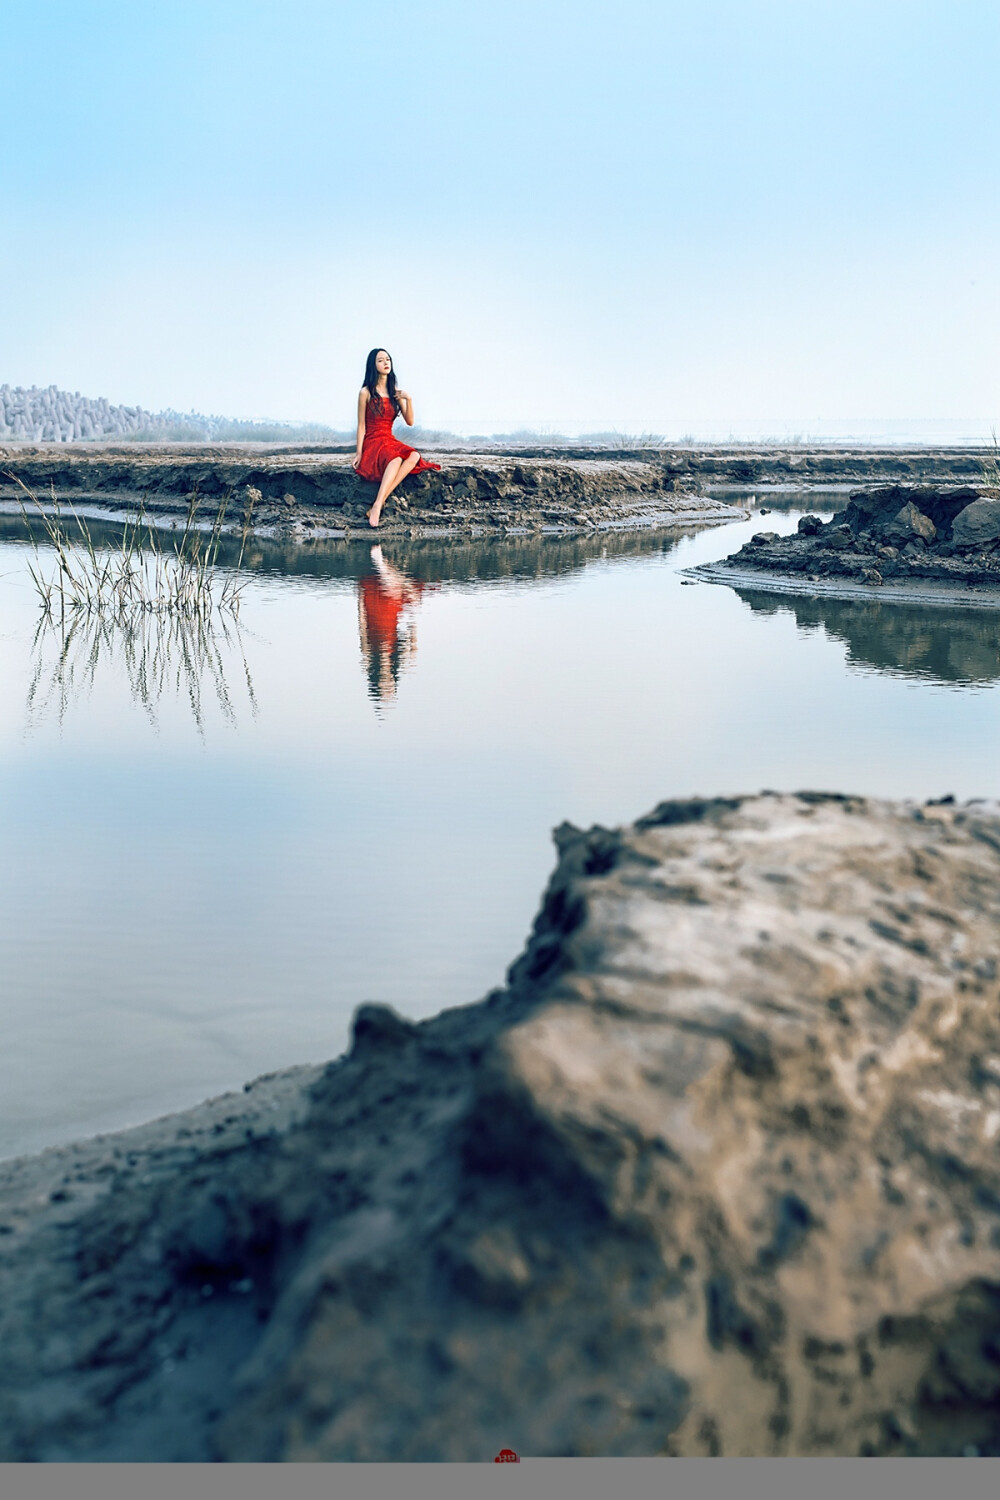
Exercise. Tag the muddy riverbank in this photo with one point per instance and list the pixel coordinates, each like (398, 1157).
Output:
(714, 1173)
(297, 493)
(911, 543)
(305, 489)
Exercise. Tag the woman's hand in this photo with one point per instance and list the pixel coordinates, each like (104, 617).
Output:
(356, 461)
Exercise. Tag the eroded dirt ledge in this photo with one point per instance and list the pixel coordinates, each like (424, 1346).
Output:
(716, 1172)
(298, 491)
(500, 490)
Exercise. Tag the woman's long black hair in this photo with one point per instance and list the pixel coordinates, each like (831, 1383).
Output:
(371, 377)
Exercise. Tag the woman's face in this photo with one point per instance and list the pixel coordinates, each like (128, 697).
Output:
(383, 363)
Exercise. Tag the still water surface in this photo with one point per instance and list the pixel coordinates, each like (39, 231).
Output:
(214, 849)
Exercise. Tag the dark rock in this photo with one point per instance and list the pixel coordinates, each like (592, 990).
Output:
(873, 510)
(810, 525)
(378, 1027)
(834, 538)
(909, 524)
(977, 524)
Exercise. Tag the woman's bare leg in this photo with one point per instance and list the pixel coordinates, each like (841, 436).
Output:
(395, 472)
(406, 467)
(392, 468)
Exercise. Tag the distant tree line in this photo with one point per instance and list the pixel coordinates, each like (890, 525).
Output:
(50, 415)
(54, 416)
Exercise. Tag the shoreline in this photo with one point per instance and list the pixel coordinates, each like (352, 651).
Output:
(917, 591)
(315, 526)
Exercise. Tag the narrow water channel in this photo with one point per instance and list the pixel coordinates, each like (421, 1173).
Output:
(215, 846)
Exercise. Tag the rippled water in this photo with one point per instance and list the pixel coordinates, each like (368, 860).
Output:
(216, 846)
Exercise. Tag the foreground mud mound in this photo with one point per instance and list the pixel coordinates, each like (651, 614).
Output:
(717, 1172)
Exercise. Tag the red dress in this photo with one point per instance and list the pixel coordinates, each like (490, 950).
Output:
(380, 447)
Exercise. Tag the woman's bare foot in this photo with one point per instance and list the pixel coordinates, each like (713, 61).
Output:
(368, 518)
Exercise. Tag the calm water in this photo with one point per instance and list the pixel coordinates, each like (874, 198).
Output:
(214, 849)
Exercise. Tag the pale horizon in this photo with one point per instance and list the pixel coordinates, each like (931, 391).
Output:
(901, 431)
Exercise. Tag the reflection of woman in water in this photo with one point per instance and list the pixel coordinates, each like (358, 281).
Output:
(388, 638)
(380, 457)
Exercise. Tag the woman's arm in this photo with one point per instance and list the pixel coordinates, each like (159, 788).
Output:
(360, 438)
(405, 407)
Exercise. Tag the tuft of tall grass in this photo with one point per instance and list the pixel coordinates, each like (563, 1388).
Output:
(140, 575)
(991, 466)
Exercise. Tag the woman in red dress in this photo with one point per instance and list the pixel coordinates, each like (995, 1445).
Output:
(380, 457)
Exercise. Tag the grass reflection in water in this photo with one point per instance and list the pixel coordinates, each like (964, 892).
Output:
(158, 655)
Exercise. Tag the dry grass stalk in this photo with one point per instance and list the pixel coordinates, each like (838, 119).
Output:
(139, 576)
(991, 467)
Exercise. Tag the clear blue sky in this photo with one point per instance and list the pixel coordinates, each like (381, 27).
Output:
(645, 214)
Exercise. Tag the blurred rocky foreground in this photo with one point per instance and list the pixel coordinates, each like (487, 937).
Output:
(716, 1172)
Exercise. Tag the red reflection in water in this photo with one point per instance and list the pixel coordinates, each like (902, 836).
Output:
(386, 599)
